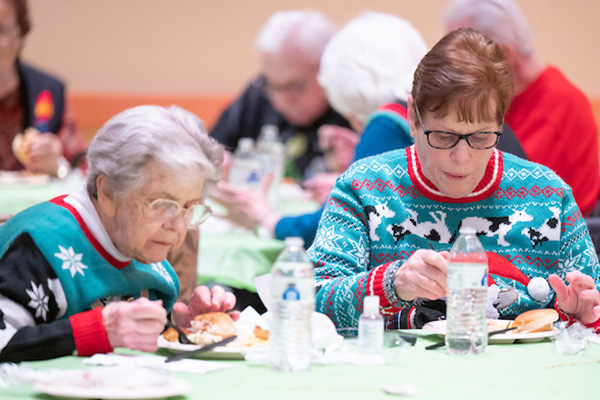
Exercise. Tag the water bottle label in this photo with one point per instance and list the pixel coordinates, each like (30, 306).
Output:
(467, 276)
(290, 289)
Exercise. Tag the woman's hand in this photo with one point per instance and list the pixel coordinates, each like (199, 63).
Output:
(135, 325)
(338, 145)
(45, 154)
(320, 186)
(580, 299)
(245, 207)
(422, 275)
(203, 301)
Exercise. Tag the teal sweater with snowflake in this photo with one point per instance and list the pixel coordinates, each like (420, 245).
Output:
(53, 272)
(383, 209)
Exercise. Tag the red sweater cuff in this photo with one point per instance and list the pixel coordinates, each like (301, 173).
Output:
(375, 286)
(570, 320)
(89, 333)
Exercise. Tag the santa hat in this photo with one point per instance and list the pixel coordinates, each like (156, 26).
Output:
(537, 287)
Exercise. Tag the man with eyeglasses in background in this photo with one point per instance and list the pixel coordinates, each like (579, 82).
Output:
(286, 94)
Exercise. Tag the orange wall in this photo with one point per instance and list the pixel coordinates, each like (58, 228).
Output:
(191, 46)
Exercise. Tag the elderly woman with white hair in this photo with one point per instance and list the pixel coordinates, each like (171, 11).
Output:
(87, 272)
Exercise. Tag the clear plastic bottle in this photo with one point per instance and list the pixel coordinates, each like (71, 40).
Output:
(466, 327)
(370, 327)
(271, 153)
(245, 169)
(292, 303)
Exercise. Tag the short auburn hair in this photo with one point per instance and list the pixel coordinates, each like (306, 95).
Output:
(465, 72)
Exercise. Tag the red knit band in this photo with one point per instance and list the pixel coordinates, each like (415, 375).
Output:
(89, 333)
(570, 320)
(375, 287)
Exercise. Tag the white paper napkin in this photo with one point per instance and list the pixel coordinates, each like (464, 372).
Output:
(149, 361)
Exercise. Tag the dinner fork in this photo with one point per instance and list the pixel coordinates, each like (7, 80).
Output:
(443, 342)
(182, 337)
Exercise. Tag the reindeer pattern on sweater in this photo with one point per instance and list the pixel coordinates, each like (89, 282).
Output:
(383, 209)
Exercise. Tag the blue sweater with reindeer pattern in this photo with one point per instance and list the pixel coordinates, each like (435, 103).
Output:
(383, 209)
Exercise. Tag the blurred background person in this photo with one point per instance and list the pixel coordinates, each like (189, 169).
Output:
(286, 92)
(368, 63)
(551, 117)
(31, 98)
(69, 267)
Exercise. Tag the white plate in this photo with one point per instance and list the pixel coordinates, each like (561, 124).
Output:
(107, 383)
(227, 352)
(23, 178)
(439, 327)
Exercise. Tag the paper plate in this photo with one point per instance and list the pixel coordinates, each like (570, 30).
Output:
(108, 383)
(439, 327)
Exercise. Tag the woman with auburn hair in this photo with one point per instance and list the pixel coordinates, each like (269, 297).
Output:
(386, 211)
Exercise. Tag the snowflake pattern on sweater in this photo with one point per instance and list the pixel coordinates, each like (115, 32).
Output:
(53, 271)
(383, 209)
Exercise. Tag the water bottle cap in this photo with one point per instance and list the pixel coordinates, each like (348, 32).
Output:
(467, 230)
(294, 241)
(246, 143)
(269, 133)
(371, 305)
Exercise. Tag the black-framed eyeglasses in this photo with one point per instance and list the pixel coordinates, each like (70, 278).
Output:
(446, 140)
(166, 210)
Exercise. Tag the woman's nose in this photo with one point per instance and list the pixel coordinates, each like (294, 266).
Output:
(461, 152)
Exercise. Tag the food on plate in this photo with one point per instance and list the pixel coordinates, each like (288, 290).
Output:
(21, 143)
(214, 327)
(261, 334)
(535, 321)
(172, 335)
(211, 327)
(497, 324)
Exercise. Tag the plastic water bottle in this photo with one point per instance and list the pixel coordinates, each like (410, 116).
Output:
(370, 327)
(245, 169)
(293, 302)
(271, 153)
(466, 326)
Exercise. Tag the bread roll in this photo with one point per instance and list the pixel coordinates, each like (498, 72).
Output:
(211, 327)
(535, 321)
(21, 143)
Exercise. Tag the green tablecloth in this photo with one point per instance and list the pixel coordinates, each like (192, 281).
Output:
(234, 259)
(514, 372)
(15, 197)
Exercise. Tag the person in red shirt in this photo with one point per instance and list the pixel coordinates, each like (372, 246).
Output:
(550, 116)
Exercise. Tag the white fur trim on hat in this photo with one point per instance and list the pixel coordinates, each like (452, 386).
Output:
(538, 289)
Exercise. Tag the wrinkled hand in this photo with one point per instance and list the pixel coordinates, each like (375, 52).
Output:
(320, 186)
(227, 163)
(45, 152)
(244, 207)
(337, 144)
(580, 299)
(135, 325)
(203, 301)
(422, 275)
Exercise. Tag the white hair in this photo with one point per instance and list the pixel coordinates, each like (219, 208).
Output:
(308, 30)
(370, 62)
(173, 137)
(501, 20)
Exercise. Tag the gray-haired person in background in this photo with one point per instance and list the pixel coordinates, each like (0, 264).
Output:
(70, 266)
(551, 117)
(286, 92)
